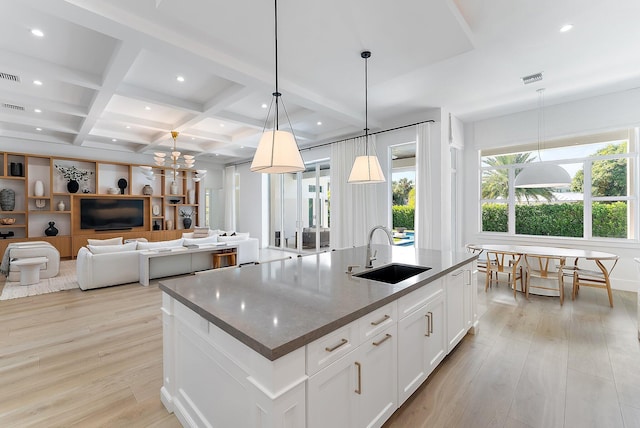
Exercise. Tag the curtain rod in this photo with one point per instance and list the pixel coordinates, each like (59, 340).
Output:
(351, 138)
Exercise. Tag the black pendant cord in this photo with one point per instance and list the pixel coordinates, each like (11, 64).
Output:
(366, 55)
(277, 92)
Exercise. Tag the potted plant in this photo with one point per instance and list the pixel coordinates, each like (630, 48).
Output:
(73, 175)
(186, 218)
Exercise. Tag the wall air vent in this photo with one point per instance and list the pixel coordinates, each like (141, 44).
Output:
(12, 107)
(531, 78)
(11, 77)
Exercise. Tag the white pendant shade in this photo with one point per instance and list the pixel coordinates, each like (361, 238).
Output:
(543, 175)
(366, 169)
(277, 153)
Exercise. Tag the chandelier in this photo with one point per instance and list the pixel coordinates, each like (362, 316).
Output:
(174, 162)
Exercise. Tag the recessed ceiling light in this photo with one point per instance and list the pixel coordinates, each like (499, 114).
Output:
(114, 140)
(193, 138)
(37, 110)
(37, 32)
(128, 127)
(217, 154)
(242, 147)
(566, 27)
(180, 78)
(37, 82)
(38, 129)
(222, 125)
(318, 123)
(264, 105)
(147, 108)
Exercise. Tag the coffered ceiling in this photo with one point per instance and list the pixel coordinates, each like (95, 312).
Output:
(109, 68)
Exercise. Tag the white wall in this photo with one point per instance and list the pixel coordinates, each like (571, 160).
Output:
(582, 117)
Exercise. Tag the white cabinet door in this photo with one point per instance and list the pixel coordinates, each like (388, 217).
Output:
(435, 340)
(412, 352)
(332, 395)
(456, 326)
(378, 378)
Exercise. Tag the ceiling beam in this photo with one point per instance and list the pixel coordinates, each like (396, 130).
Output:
(119, 65)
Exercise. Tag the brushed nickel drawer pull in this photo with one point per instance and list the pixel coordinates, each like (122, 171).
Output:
(428, 332)
(385, 338)
(458, 273)
(430, 322)
(386, 317)
(342, 342)
(359, 388)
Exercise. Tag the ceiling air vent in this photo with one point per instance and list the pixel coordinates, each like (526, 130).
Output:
(12, 107)
(531, 78)
(11, 77)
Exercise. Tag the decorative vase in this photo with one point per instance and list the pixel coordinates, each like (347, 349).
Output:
(192, 196)
(122, 184)
(7, 199)
(186, 222)
(156, 226)
(16, 169)
(169, 225)
(38, 188)
(155, 210)
(61, 206)
(51, 230)
(173, 188)
(73, 186)
(147, 190)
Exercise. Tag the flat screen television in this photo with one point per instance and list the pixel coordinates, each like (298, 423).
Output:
(111, 213)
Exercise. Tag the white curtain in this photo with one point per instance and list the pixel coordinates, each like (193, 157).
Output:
(424, 189)
(230, 198)
(354, 207)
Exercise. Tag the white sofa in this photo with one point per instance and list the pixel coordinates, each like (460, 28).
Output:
(248, 248)
(108, 265)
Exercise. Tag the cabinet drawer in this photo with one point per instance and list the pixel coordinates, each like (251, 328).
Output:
(331, 347)
(376, 321)
(414, 300)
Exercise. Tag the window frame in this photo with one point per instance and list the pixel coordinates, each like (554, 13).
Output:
(631, 198)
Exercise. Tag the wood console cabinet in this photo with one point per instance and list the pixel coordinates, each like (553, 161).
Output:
(32, 211)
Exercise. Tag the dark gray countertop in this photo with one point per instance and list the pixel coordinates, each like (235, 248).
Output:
(278, 307)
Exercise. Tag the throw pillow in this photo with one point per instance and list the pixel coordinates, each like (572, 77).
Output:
(237, 237)
(110, 241)
(200, 232)
(207, 240)
(160, 244)
(104, 249)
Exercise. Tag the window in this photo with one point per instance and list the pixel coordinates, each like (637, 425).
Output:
(601, 201)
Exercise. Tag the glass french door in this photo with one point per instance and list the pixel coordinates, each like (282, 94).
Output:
(300, 209)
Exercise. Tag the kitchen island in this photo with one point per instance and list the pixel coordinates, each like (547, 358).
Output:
(300, 342)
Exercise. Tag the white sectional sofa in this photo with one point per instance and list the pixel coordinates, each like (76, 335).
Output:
(111, 263)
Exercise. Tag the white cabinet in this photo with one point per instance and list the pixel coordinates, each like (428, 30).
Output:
(331, 397)
(456, 325)
(378, 375)
(359, 389)
(421, 342)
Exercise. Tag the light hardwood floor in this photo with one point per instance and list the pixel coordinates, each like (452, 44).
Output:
(94, 358)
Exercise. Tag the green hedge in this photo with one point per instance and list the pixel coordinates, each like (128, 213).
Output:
(565, 219)
(403, 216)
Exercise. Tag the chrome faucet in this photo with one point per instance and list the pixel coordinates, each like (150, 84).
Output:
(370, 258)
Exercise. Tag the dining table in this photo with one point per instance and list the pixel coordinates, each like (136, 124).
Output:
(598, 257)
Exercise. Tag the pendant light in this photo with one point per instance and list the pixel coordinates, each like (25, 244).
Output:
(541, 175)
(366, 168)
(277, 150)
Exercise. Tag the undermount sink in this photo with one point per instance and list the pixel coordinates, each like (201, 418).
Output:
(392, 273)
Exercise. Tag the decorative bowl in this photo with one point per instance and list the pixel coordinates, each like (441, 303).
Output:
(7, 220)
(174, 201)
(113, 191)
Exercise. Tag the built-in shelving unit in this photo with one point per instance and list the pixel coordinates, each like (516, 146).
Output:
(32, 213)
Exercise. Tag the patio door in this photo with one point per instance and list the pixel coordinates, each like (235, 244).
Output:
(299, 209)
